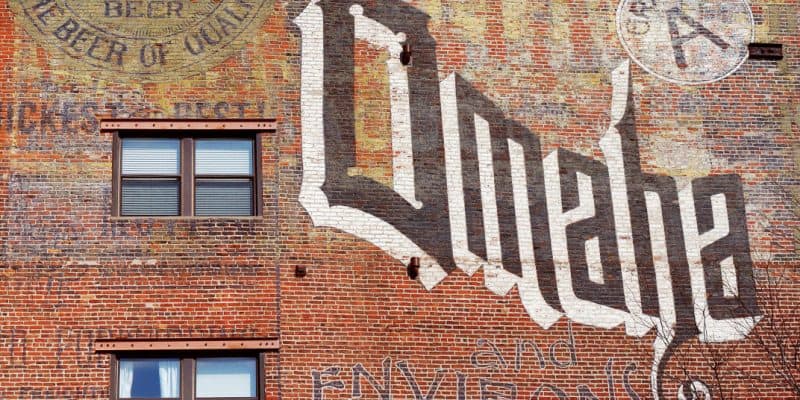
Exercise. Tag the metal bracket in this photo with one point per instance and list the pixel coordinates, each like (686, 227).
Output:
(184, 124)
(113, 346)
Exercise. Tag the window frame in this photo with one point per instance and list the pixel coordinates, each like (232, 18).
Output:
(226, 177)
(188, 373)
(118, 166)
(186, 132)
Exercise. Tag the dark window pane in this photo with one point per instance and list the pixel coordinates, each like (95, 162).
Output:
(223, 197)
(149, 378)
(150, 156)
(150, 197)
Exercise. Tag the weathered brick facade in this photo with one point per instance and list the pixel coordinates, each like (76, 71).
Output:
(580, 212)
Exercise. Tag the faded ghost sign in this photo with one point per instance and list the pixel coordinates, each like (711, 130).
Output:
(143, 39)
(486, 357)
(602, 243)
(686, 42)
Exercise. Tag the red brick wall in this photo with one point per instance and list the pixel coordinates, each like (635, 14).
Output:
(72, 274)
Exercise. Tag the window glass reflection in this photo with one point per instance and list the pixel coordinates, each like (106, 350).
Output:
(226, 377)
(149, 378)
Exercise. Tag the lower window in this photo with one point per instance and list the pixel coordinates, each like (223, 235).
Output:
(187, 377)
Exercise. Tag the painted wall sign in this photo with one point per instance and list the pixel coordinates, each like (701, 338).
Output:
(686, 42)
(143, 39)
(472, 190)
(485, 359)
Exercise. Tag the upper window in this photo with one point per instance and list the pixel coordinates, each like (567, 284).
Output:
(219, 181)
(187, 378)
(223, 172)
(151, 176)
(180, 173)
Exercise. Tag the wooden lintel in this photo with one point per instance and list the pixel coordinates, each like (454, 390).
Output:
(183, 124)
(113, 346)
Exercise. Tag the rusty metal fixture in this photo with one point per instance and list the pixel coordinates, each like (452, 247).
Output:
(405, 56)
(169, 124)
(413, 268)
(765, 51)
(110, 345)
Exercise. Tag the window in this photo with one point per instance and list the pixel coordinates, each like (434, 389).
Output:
(187, 168)
(149, 378)
(187, 377)
(188, 369)
(151, 176)
(223, 171)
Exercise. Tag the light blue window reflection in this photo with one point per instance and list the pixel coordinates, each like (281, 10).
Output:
(149, 378)
(226, 377)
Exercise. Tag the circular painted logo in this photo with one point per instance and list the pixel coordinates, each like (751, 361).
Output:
(151, 40)
(686, 41)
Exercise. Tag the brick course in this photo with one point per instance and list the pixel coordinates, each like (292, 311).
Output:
(71, 273)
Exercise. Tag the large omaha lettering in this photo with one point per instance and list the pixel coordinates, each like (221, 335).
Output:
(356, 204)
(602, 243)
